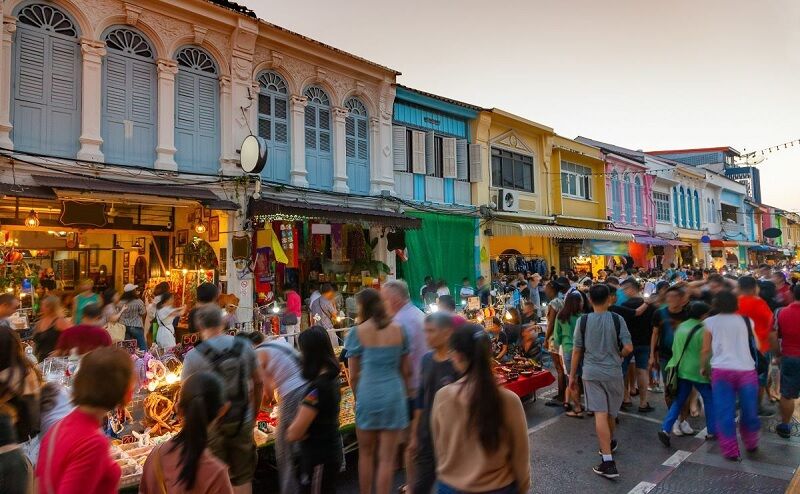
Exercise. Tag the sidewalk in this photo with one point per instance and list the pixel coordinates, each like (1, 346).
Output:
(699, 467)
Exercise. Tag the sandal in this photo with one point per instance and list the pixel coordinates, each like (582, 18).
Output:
(646, 409)
(635, 393)
(574, 415)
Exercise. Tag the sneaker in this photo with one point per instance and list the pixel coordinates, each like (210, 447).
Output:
(663, 436)
(676, 429)
(783, 430)
(607, 469)
(686, 428)
(655, 389)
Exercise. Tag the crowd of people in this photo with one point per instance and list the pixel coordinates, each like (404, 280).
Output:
(424, 387)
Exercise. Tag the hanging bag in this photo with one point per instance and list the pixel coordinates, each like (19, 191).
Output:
(671, 381)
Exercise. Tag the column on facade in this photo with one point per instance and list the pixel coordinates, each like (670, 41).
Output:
(165, 148)
(8, 25)
(375, 162)
(225, 113)
(299, 173)
(689, 209)
(92, 103)
(339, 151)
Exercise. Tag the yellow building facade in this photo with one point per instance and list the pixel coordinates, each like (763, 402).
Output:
(527, 215)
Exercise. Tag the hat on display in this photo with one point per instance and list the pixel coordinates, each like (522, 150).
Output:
(129, 287)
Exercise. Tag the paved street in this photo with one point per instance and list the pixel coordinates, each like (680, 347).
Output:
(563, 451)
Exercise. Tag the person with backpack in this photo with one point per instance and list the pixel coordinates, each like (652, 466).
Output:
(601, 340)
(729, 353)
(234, 361)
(685, 365)
(282, 370)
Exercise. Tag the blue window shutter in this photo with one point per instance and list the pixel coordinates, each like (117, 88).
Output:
(319, 157)
(357, 153)
(196, 122)
(46, 109)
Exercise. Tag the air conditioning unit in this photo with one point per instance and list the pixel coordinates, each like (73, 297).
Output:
(508, 200)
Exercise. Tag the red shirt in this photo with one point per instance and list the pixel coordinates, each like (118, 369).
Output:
(789, 327)
(293, 303)
(80, 461)
(757, 309)
(83, 337)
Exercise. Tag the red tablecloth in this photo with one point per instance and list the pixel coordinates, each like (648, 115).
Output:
(525, 386)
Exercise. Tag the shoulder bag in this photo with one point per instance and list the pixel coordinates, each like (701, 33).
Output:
(671, 381)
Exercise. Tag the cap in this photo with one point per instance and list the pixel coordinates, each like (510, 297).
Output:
(129, 287)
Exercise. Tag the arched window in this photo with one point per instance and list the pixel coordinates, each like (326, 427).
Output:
(357, 146)
(683, 208)
(714, 214)
(639, 201)
(319, 159)
(626, 193)
(129, 98)
(273, 125)
(46, 86)
(689, 209)
(197, 111)
(696, 210)
(615, 202)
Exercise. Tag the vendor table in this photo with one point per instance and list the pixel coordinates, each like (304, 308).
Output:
(526, 386)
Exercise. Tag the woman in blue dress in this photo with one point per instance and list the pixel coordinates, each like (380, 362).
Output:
(377, 352)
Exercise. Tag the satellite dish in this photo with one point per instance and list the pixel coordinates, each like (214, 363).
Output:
(253, 156)
(773, 232)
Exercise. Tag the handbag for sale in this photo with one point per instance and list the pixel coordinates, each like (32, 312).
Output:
(671, 380)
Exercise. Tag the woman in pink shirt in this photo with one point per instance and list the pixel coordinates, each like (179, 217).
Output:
(74, 456)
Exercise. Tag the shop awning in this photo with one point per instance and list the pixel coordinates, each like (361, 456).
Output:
(646, 240)
(723, 243)
(26, 191)
(763, 248)
(335, 214)
(202, 196)
(503, 228)
(678, 243)
(744, 243)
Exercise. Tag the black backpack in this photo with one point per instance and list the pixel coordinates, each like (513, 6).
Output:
(617, 326)
(227, 365)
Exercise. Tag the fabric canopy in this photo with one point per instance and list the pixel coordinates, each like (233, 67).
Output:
(647, 240)
(724, 243)
(503, 228)
(444, 247)
(334, 214)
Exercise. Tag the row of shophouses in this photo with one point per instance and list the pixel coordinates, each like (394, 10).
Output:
(143, 106)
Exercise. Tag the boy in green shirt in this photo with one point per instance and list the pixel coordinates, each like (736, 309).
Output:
(686, 356)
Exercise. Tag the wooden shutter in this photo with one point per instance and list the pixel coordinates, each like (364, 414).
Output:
(430, 153)
(115, 106)
(418, 151)
(449, 157)
(462, 166)
(475, 163)
(399, 148)
(30, 97)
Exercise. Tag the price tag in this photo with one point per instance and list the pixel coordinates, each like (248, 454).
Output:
(129, 346)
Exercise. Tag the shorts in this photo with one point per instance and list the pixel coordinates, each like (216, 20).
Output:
(790, 378)
(641, 354)
(764, 376)
(234, 445)
(567, 359)
(603, 396)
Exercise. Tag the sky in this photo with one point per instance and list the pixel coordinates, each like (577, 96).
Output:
(640, 74)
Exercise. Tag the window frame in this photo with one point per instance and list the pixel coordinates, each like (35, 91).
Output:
(660, 203)
(517, 160)
(573, 176)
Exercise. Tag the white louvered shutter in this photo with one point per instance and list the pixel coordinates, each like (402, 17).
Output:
(430, 153)
(462, 167)
(418, 151)
(475, 163)
(399, 148)
(449, 157)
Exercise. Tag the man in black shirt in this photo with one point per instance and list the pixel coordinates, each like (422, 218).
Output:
(207, 294)
(437, 372)
(641, 329)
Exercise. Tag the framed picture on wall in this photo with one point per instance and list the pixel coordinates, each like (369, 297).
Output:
(183, 237)
(94, 256)
(223, 265)
(126, 259)
(206, 213)
(126, 274)
(213, 229)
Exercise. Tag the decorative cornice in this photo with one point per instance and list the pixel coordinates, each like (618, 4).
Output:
(132, 13)
(199, 34)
